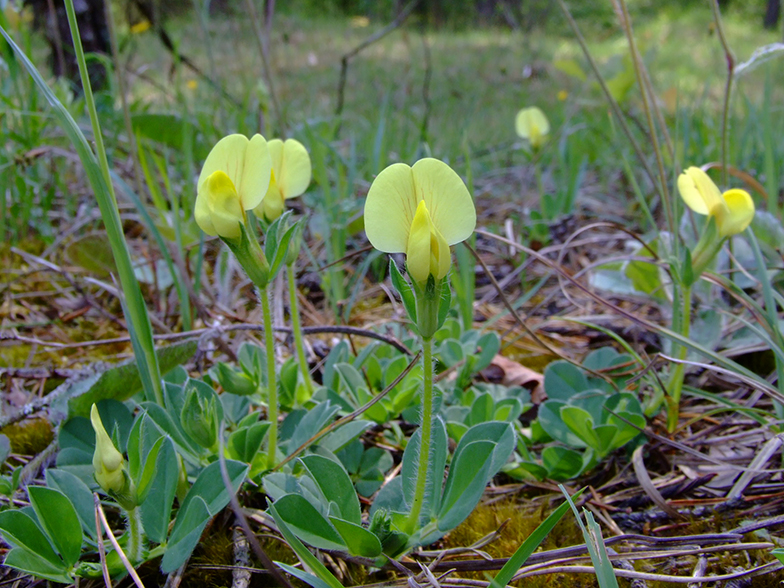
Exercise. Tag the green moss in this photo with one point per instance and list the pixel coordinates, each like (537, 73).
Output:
(29, 437)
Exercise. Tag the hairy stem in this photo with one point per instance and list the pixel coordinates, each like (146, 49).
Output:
(296, 328)
(681, 323)
(272, 386)
(135, 541)
(424, 441)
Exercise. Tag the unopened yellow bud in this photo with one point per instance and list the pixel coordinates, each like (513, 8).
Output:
(107, 461)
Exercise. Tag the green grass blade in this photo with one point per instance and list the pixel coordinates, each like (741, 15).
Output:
(137, 317)
(505, 575)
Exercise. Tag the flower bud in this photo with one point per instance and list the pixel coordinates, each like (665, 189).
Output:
(200, 416)
(107, 461)
(235, 382)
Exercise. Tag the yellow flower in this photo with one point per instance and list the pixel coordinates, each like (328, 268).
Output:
(192, 84)
(290, 176)
(141, 27)
(419, 211)
(531, 124)
(563, 95)
(234, 179)
(732, 210)
(107, 461)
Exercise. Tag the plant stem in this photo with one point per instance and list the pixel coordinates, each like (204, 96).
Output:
(296, 328)
(134, 535)
(424, 440)
(272, 386)
(725, 117)
(681, 322)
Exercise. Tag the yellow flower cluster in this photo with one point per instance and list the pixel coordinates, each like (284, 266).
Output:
(243, 174)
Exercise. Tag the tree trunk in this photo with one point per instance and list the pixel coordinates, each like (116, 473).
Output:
(51, 19)
(772, 14)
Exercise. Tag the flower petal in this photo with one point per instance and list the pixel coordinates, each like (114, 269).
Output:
(439, 254)
(202, 211)
(532, 124)
(450, 205)
(698, 191)
(293, 173)
(740, 212)
(228, 156)
(255, 175)
(389, 209)
(418, 246)
(224, 204)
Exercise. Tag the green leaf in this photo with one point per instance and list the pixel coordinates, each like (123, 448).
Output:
(337, 439)
(187, 531)
(359, 540)
(144, 483)
(333, 481)
(276, 262)
(32, 563)
(549, 419)
(562, 380)
(210, 488)
(308, 523)
(445, 303)
(308, 560)
(581, 424)
(438, 455)
(468, 476)
(562, 463)
(5, 448)
(59, 521)
(78, 493)
(19, 529)
(404, 289)
(168, 129)
(156, 508)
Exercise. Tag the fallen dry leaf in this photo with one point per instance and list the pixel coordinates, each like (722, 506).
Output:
(510, 373)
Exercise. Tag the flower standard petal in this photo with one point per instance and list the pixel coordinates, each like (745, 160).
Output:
(254, 177)
(698, 191)
(293, 175)
(532, 124)
(739, 213)
(228, 156)
(390, 207)
(448, 201)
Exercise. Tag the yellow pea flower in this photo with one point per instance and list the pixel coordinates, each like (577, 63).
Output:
(107, 461)
(235, 178)
(733, 210)
(290, 176)
(420, 211)
(531, 124)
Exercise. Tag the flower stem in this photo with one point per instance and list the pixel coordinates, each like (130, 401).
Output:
(296, 327)
(681, 322)
(272, 387)
(134, 535)
(424, 441)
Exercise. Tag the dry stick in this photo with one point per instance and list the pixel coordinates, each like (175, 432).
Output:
(200, 333)
(144, 9)
(263, 53)
(758, 385)
(608, 96)
(243, 521)
(99, 512)
(626, 24)
(351, 416)
(544, 345)
(426, 88)
(727, 88)
(399, 20)
(101, 547)
(647, 485)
